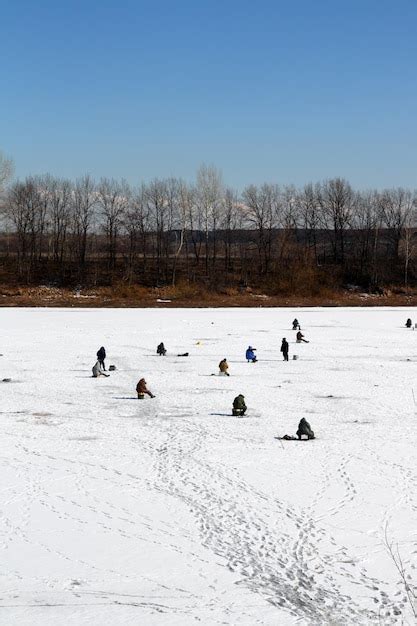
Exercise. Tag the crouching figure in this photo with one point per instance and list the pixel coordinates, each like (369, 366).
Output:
(239, 406)
(304, 430)
(97, 371)
(223, 367)
(161, 349)
(142, 389)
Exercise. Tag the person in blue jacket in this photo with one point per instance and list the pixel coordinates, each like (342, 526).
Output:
(250, 355)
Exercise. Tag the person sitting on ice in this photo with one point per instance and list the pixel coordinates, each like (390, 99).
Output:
(141, 389)
(250, 355)
(97, 371)
(161, 349)
(300, 337)
(409, 323)
(304, 430)
(239, 406)
(101, 355)
(295, 324)
(223, 367)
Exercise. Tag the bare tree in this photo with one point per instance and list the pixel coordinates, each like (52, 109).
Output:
(262, 211)
(209, 187)
(185, 201)
(60, 205)
(6, 171)
(396, 205)
(336, 198)
(113, 199)
(137, 225)
(85, 200)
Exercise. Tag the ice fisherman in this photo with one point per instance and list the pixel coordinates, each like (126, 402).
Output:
(97, 371)
(223, 367)
(161, 349)
(284, 349)
(304, 430)
(295, 324)
(141, 389)
(300, 337)
(101, 355)
(409, 323)
(239, 406)
(250, 354)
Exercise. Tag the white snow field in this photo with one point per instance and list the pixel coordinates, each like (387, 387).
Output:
(170, 511)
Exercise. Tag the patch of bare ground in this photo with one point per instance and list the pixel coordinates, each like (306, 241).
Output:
(121, 296)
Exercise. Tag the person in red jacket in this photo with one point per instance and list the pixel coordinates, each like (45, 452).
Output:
(141, 389)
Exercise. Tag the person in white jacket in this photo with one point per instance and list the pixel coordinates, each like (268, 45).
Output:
(97, 371)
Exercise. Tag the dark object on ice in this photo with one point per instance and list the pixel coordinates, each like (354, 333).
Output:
(295, 324)
(6, 380)
(304, 430)
(290, 438)
(101, 355)
(250, 354)
(300, 337)
(112, 368)
(141, 389)
(409, 323)
(239, 406)
(161, 349)
(184, 354)
(284, 349)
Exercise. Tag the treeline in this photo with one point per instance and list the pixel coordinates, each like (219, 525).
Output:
(282, 239)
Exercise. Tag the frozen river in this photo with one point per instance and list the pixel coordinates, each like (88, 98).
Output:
(169, 511)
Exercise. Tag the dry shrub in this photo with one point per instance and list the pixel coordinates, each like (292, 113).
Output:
(124, 291)
(183, 290)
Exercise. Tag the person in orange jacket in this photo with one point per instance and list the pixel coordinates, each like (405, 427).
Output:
(223, 367)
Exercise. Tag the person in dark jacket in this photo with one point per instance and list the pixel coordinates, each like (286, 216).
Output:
(295, 324)
(101, 355)
(250, 354)
(161, 349)
(409, 323)
(304, 430)
(284, 349)
(239, 406)
(141, 389)
(300, 337)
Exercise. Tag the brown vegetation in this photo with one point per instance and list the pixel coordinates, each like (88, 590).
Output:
(122, 295)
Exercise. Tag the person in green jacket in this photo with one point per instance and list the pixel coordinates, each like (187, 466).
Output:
(304, 430)
(239, 406)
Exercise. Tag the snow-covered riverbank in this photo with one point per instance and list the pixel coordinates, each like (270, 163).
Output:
(170, 511)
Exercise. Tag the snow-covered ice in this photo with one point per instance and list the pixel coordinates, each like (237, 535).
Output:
(169, 511)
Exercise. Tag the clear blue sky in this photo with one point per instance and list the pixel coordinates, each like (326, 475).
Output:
(275, 91)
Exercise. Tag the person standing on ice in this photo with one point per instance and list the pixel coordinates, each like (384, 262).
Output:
(409, 323)
(141, 389)
(223, 367)
(250, 355)
(101, 355)
(295, 324)
(284, 349)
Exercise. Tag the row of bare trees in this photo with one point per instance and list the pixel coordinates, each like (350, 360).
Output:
(155, 232)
